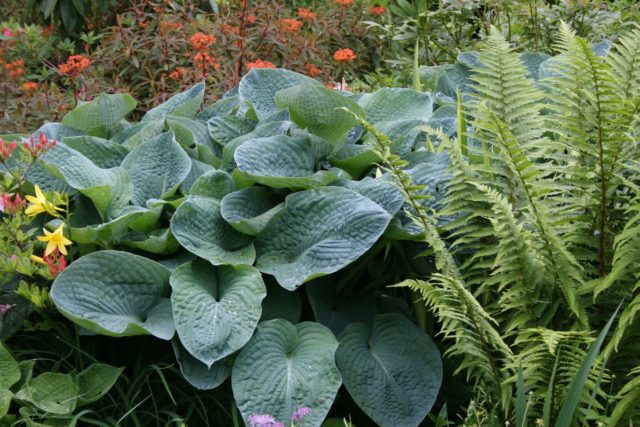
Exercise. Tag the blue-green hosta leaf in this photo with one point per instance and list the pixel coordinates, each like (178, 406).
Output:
(194, 136)
(402, 133)
(116, 293)
(185, 104)
(57, 131)
(355, 158)
(159, 241)
(282, 162)
(452, 77)
(157, 168)
(103, 152)
(197, 373)
(285, 367)
(261, 131)
(382, 192)
(223, 107)
(200, 229)
(227, 128)
(96, 381)
(108, 189)
(248, 210)
(393, 371)
(51, 392)
(470, 59)
(138, 134)
(319, 231)
(214, 184)
(5, 402)
(216, 309)
(318, 109)
(260, 85)
(197, 170)
(391, 104)
(99, 116)
(9, 368)
(532, 61)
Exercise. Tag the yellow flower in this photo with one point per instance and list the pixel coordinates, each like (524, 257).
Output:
(40, 204)
(37, 259)
(55, 240)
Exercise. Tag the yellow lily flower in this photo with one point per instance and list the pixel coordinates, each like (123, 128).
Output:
(55, 240)
(37, 259)
(40, 204)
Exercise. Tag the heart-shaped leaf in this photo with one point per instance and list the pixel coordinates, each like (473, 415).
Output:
(198, 374)
(382, 192)
(157, 168)
(285, 367)
(248, 210)
(393, 371)
(199, 227)
(396, 104)
(215, 309)
(104, 153)
(318, 232)
(116, 293)
(185, 104)
(227, 128)
(259, 87)
(99, 116)
(282, 162)
(215, 184)
(318, 109)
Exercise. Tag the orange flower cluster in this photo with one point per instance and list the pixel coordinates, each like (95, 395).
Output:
(178, 74)
(29, 86)
(344, 55)
(75, 65)
(377, 10)
(168, 26)
(201, 41)
(291, 25)
(251, 19)
(204, 60)
(229, 29)
(259, 63)
(306, 14)
(344, 3)
(312, 70)
(43, 145)
(15, 68)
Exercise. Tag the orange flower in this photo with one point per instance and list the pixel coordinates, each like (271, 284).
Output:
(312, 70)
(201, 41)
(74, 66)
(291, 25)
(306, 14)
(203, 59)
(344, 55)
(178, 74)
(344, 3)
(251, 19)
(259, 63)
(29, 86)
(377, 10)
(15, 68)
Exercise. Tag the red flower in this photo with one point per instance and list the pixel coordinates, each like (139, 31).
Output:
(377, 10)
(75, 65)
(29, 86)
(306, 14)
(178, 74)
(259, 63)
(344, 3)
(6, 148)
(12, 207)
(201, 41)
(56, 262)
(251, 19)
(203, 59)
(15, 68)
(291, 25)
(8, 33)
(40, 147)
(312, 70)
(344, 55)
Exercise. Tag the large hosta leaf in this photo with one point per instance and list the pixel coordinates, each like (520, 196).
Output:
(393, 371)
(99, 116)
(215, 309)
(262, 131)
(285, 367)
(9, 368)
(95, 381)
(260, 86)
(390, 104)
(157, 168)
(198, 374)
(200, 229)
(227, 128)
(185, 104)
(380, 191)
(108, 189)
(103, 152)
(215, 184)
(282, 162)
(319, 231)
(51, 392)
(319, 110)
(249, 209)
(116, 293)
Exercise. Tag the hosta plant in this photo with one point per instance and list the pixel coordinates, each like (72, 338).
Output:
(258, 236)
